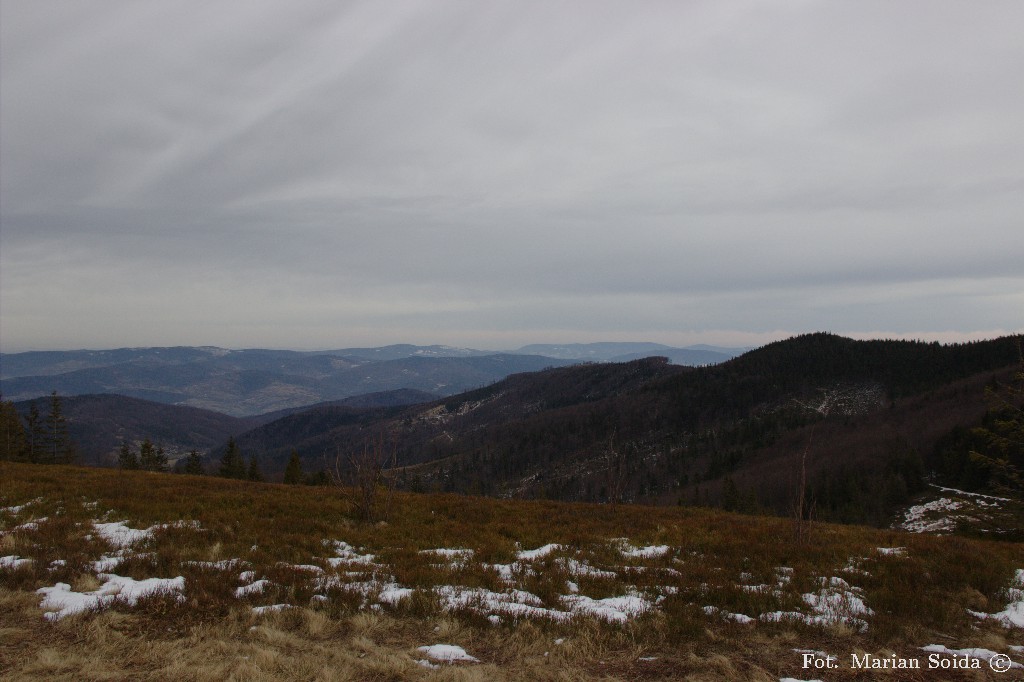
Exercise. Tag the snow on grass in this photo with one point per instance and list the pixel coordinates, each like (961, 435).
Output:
(14, 562)
(967, 494)
(451, 554)
(983, 654)
(611, 609)
(392, 593)
(652, 552)
(222, 565)
(61, 601)
(304, 568)
(505, 571)
(836, 603)
(348, 556)
(447, 653)
(1013, 615)
(917, 518)
(454, 558)
(17, 509)
(106, 564)
(33, 524)
(891, 551)
(257, 587)
(539, 553)
(513, 603)
(738, 617)
(273, 608)
(383, 592)
(118, 534)
(582, 568)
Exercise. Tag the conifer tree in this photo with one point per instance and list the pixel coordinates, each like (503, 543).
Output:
(231, 464)
(152, 457)
(194, 464)
(34, 433)
(13, 443)
(147, 455)
(293, 472)
(126, 459)
(59, 449)
(254, 473)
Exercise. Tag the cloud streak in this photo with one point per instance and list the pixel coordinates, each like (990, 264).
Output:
(322, 174)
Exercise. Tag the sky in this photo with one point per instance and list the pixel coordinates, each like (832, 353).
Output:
(321, 174)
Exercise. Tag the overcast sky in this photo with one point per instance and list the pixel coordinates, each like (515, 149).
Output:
(321, 174)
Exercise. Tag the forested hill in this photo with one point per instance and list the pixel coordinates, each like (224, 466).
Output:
(647, 430)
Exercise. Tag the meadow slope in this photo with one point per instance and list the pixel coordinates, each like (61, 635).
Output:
(110, 574)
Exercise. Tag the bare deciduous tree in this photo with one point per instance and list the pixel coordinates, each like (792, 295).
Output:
(366, 473)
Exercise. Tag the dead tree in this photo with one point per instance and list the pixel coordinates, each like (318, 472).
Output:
(803, 509)
(366, 474)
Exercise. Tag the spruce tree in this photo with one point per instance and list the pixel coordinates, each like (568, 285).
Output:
(152, 457)
(254, 473)
(13, 443)
(161, 459)
(194, 464)
(58, 443)
(34, 433)
(126, 459)
(147, 455)
(293, 472)
(231, 463)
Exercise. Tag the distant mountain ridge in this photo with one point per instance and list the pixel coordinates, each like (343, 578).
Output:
(256, 381)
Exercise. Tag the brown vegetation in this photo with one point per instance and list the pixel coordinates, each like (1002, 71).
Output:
(286, 536)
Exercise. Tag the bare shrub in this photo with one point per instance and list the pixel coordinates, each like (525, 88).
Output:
(366, 473)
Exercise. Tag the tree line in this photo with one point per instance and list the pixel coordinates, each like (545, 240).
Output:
(37, 439)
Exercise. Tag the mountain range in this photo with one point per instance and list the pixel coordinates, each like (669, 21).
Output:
(256, 381)
(866, 424)
(872, 418)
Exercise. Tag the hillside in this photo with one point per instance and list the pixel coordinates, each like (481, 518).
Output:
(99, 424)
(871, 412)
(131, 575)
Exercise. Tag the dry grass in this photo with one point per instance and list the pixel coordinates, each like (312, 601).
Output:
(335, 631)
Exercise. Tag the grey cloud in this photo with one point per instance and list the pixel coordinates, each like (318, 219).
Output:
(488, 167)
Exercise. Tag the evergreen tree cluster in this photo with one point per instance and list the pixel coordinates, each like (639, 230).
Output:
(149, 458)
(232, 464)
(37, 439)
(990, 455)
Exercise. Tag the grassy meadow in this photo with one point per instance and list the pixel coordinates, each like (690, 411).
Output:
(283, 582)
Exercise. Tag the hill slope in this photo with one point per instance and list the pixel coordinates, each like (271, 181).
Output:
(729, 434)
(233, 580)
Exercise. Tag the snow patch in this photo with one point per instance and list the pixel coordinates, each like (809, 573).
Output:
(539, 553)
(14, 562)
(738, 617)
(257, 587)
(891, 551)
(64, 602)
(447, 653)
(915, 519)
(1013, 615)
(273, 608)
(836, 603)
